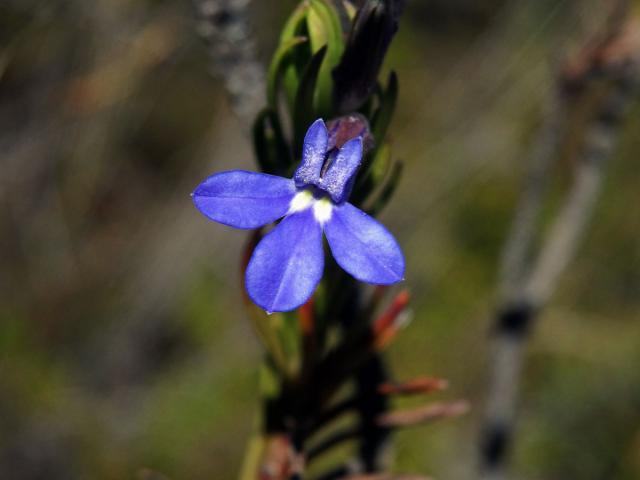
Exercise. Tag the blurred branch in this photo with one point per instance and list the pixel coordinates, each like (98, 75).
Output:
(521, 235)
(224, 25)
(526, 287)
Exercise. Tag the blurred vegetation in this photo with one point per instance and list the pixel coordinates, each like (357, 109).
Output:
(122, 344)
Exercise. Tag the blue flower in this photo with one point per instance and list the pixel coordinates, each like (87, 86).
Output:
(287, 264)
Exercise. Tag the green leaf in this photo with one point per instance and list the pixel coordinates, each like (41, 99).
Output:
(349, 9)
(323, 24)
(293, 22)
(287, 328)
(270, 145)
(253, 455)
(282, 59)
(380, 164)
(296, 26)
(372, 173)
(387, 191)
(269, 381)
(383, 115)
(304, 112)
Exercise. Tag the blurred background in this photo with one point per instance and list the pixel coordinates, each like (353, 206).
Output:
(123, 341)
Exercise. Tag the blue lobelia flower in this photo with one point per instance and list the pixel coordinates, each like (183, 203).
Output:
(287, 264)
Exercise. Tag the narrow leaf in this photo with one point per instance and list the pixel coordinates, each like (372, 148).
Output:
(387, 191)
(270, 145)
(291, 27)
(349, 9)
(282, 59)
(296, 26)
(324, 28)
(304, 113)
(382, 117)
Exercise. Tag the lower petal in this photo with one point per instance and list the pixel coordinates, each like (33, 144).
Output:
(287, 264)
(363, 247)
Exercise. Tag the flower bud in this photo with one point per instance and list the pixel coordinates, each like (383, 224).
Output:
(373, 29)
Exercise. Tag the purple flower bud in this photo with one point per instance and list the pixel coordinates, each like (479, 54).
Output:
(373, 29)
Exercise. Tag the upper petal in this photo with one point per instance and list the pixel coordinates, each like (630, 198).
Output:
(287, 264)
(363, 247)
(244, 199)
(314, 150)
(337, 180)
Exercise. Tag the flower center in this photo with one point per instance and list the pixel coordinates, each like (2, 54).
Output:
(321, 204)
(322, 209)
(300, 201)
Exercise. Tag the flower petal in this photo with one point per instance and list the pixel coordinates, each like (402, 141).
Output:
(287, 264)
(314, 150)
(243, 199)
(363, 247)
(337, 180)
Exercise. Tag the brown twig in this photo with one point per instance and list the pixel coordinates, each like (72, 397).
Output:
(416, 386)
(423, 414)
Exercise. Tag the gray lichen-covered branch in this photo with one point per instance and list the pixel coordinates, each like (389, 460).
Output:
(224, 25)
(526, 286)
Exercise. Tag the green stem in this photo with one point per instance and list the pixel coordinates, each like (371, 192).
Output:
(251, 462)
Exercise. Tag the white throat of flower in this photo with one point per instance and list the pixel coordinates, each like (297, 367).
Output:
(322, 208)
